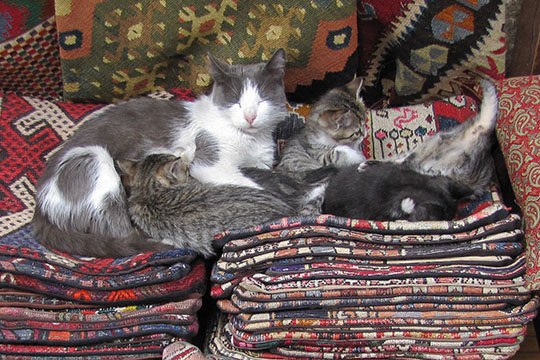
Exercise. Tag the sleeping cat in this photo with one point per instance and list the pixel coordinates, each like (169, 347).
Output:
(392, 191)
(81, 205)
(333, 132)
(463, 152)
(175, 209)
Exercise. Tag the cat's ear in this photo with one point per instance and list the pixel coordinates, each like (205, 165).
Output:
(126, 170)
(355, 87)
(178, 169)
(126, 167)
(276, 64)
(218, 68)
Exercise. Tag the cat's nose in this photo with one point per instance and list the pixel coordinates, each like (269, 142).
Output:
(250, 117)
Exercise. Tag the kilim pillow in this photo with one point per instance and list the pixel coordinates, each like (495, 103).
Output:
(114, 49)
(413, 51)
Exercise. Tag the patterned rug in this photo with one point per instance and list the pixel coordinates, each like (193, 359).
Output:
(29, 50)
(417, 50)
(112, 50)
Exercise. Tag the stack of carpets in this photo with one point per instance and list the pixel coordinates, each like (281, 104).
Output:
(54, 305)
(337, 288)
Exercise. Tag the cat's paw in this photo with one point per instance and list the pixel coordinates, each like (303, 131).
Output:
(349, 156)
(363, 166)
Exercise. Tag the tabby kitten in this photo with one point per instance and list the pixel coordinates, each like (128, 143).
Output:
(81, 205)
(392, 191)
(333, 132)
(170, 206)
(461, 153)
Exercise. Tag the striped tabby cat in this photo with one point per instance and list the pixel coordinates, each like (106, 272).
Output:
(333, 132)
(172, 208)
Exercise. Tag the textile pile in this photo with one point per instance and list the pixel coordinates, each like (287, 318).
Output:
(54, 304)
(364, 289)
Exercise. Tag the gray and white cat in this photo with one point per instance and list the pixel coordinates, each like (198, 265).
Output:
(81, 205)
(333, 132)
(171, 207)
(461, 153)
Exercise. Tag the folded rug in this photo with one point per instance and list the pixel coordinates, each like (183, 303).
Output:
(141, 347)
(192, 283)
(236, 305)
(221, 344)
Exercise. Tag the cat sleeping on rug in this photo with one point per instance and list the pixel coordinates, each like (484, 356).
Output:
(461, 153)
(171, 207)
(333, 132)
(81, 205)
(392, 191)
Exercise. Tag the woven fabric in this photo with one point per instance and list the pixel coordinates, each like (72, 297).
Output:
(19, 16)
(416, 50)
(112, 50)
(517, 132)
(229, 342)
(30, 62)
(141, 347)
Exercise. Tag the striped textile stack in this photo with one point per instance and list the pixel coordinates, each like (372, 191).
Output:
(301, 288)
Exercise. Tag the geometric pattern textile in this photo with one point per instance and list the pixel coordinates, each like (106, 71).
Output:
(30, 62)
(413, 51)
(114, 49)
(519, 138)
(19, 16)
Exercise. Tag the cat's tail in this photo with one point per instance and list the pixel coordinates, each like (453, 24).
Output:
(77, 243)
(488, 109)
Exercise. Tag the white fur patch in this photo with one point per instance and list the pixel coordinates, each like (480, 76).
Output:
(349, 156)
(249, 102)
(105, 181)
(316, 193)
(407, 205)
(489, 107)
(237, 148)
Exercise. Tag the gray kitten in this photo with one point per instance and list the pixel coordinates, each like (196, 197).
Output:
(333, 132)
(461, 153)
(81, 206)
(170, 206)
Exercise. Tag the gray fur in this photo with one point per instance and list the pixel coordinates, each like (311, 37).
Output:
(304, 191)
(392, 191)
(333, 132)
(207, 148)
(462, 152)
(81, 210)
(186, 213)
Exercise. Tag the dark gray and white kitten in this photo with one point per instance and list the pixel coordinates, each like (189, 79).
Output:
(171, 207)
(462, 153)
(332, 134)
(392, 191)
(81, 205)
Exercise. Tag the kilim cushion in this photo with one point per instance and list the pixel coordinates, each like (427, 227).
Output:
(416, 50)
(113, 49)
